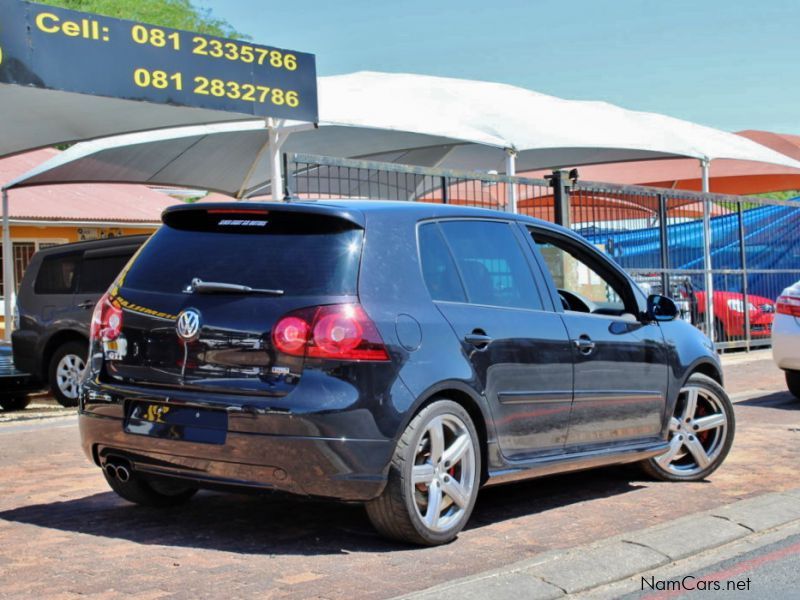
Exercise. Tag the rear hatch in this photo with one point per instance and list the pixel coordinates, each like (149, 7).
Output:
(277, 260)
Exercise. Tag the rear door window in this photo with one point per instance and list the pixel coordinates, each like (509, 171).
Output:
(492, 264)
(99, 270)
(58, 274)
(438, 268)
(302, 254)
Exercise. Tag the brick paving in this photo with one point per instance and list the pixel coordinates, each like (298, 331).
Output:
(65, 535)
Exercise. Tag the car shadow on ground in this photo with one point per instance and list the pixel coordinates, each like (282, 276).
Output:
(280, 524)
(779, 400)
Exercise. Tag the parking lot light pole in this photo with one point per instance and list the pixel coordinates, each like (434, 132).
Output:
(708, 276)
(8, 269)
(560, 183)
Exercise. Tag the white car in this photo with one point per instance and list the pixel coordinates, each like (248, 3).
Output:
(786, 336)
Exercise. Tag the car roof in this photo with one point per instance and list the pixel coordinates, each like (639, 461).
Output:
(123, 240)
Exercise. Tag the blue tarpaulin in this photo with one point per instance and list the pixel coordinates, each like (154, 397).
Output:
(771, 242)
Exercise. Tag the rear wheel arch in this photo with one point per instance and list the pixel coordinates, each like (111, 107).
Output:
(466, 399)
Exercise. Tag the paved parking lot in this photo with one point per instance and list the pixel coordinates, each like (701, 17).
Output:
(66, 535)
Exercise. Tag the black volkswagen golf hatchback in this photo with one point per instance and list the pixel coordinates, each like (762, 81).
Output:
(396, 354)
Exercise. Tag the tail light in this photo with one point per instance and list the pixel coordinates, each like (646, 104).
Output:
(788, 305)
(340, 332)
(106, 320)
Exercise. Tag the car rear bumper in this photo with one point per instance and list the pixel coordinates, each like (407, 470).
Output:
(347, 466)
(26, 355)
(786, 342)
(13, 380)
(18, 384)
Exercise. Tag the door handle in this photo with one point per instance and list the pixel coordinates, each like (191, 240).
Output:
(478, 338)
(87, 304)
(585, 345)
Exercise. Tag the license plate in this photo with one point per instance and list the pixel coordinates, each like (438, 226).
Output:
(175, 422)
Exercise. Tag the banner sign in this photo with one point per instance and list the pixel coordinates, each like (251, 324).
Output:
(53, 48)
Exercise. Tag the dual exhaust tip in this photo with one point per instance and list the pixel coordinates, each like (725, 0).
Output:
(121, 471)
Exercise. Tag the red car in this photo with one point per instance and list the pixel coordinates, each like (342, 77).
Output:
(729, 315)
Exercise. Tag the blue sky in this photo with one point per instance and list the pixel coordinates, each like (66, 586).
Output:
(733, 64)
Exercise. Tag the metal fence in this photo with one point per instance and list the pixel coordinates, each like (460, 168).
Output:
(724, 258)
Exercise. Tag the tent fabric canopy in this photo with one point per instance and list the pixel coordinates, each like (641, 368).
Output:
(412, 119)
(544, 130)
(35, 118)
(738, 177)
(784, 143)
(79, 203)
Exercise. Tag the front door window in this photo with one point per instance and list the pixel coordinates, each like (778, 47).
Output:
(620, 361)
(581, 288)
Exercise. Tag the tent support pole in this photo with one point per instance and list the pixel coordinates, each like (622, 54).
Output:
(276, 140)
(243, 188)
(511, 188)
(708, 275)
(8, 269)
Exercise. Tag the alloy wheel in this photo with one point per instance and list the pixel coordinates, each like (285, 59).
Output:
(697, 432)
(444, 473)
(68, 375)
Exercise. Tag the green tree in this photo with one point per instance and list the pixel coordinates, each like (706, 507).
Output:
(787, 195)
(179, 14)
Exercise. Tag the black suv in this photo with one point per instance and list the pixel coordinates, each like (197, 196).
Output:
(396, 354)
(54, 307)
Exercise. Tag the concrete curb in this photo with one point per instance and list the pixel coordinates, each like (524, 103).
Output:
(745, 357)
(557, 573)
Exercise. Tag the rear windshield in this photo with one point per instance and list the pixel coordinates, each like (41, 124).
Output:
(302, 254)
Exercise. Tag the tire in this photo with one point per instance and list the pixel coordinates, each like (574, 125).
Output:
(65, 370)
(10, 403)
(159, 494)
(397, 512)
(793, 383)
(700, 437)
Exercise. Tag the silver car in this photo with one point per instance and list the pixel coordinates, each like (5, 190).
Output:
(786, 336)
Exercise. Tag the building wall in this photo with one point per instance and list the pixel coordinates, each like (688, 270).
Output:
(69, 234)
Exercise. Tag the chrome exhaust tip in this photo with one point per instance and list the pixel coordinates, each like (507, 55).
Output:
(123, 474)
(111, 471)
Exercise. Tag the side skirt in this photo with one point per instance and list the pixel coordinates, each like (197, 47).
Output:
(577, 461)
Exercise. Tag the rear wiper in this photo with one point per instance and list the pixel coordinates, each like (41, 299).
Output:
(198, 286)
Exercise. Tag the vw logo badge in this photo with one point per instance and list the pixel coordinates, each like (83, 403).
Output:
(188, 325)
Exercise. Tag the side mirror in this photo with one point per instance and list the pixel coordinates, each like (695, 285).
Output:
(661, 308)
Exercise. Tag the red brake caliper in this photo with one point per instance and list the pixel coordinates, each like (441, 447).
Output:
(703, 435)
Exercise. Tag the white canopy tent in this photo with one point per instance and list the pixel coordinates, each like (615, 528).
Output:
(34, 118)
(544, 131)
(412, 119)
